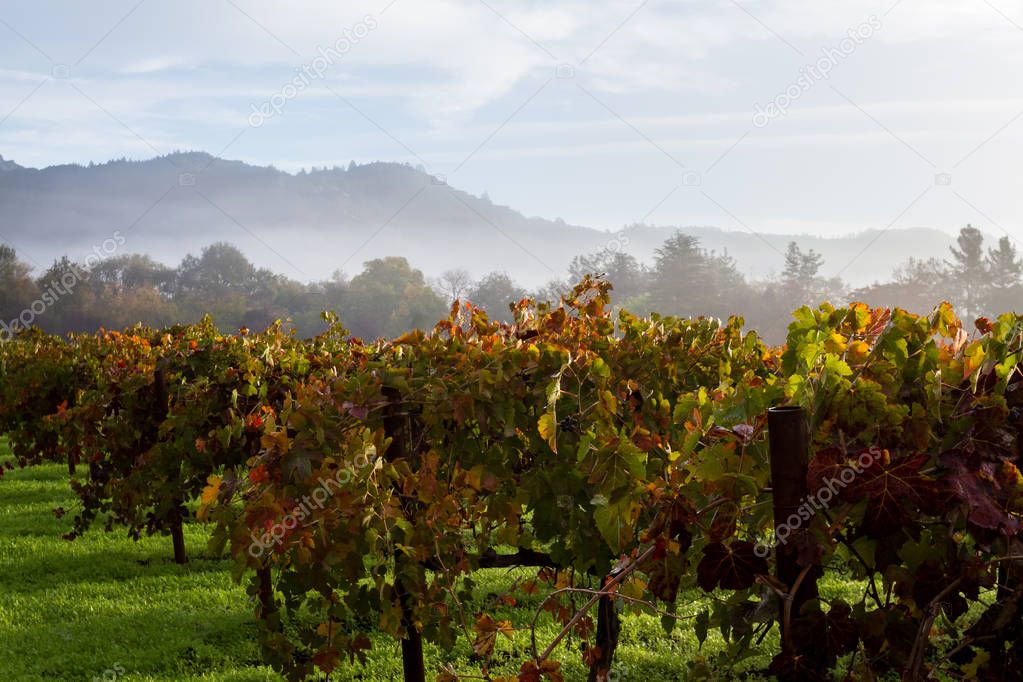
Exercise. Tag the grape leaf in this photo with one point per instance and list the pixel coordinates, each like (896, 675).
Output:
(732, 567)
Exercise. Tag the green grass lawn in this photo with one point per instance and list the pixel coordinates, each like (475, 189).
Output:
(105, 605)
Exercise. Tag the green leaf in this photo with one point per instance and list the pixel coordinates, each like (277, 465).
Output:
(837, 365)
(617, 468)
(554, 389)
(701, 626)
(615, 524)
(584, 446)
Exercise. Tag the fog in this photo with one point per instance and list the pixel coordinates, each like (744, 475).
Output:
(309, 225)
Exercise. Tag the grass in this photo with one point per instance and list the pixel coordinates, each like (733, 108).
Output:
(105, 607)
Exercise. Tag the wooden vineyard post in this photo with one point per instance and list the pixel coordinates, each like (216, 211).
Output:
(396, 427)
(789, 452)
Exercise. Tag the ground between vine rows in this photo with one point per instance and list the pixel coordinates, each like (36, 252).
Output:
(102, 604)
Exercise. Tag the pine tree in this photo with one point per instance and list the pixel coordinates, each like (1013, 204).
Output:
(793, 261)
(800, 277)
(16, 288)
(689, 281)
(680, 274)
(1004, 266)
(970, 269)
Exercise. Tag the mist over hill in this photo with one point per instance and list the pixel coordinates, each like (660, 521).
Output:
(310, 224)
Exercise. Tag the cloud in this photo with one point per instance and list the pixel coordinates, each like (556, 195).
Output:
(156, 65)
(457, 57)
(447, 76)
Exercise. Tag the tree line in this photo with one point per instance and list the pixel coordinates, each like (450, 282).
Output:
(390, 296)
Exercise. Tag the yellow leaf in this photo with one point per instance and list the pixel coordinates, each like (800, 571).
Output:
(209, 496)
(486, 634)
(836, 343)
(858, 351)
(971, 670)
(609, 402)
(211, 491)
(548, 428)
(474, 477)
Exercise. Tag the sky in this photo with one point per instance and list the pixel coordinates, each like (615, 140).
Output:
(761, 115)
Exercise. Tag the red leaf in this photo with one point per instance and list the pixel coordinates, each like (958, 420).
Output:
(259, 474)
(360, 412)
(795, 667)
(895, 488)
(988, 490)
(734, 567)
(530, 672)
(832, 470)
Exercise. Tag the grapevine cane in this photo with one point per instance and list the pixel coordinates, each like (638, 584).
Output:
(396, 428)
(610, 584)
(160, 414)
(267, 607)
(608, 628)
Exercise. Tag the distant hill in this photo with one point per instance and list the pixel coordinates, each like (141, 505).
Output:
(307, 225)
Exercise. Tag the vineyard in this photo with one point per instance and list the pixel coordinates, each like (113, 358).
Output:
(620, 465)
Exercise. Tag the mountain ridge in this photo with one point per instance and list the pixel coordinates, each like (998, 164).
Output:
(7, 165)
(311, 223)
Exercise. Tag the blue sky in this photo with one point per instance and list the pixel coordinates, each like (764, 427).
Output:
(603, 113)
